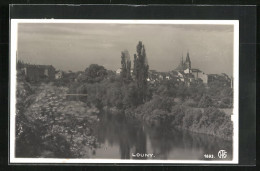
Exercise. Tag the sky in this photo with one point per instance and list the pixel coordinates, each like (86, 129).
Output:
(70, 46)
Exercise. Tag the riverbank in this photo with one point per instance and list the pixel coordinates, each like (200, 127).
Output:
(211, 121)
(50, 125)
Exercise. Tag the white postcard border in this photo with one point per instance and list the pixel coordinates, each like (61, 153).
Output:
(12, 59)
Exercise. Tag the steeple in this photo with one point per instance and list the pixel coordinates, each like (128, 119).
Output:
(182, 59)
(188, 62)
(188, 57)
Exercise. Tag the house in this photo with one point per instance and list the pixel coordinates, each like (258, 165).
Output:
(180, 76)
(38, 72)
(59, 74)
(187, 71)
(198, 74)
(160, 76)
(188, 78)
(118, 71)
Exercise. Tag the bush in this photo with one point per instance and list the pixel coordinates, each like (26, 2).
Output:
(190, 103)
(187, 120)
(158, 102)
(226, 102)
(192, 118)
(130, 94)
(205, 102)
(212, 121)
(216, 122)
(94, 73)
(177, 115)
(157, 117)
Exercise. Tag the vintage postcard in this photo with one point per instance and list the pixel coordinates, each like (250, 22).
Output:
(124, 91)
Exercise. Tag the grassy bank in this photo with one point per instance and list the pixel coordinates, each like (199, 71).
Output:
(50, 125)
(162, 111)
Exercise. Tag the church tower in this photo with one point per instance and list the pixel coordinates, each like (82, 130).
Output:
(188, 62)
(184, 64)
(182, 60)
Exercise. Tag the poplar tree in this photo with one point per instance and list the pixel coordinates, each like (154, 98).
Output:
(135, 63)
(125, 65)
(141, 68)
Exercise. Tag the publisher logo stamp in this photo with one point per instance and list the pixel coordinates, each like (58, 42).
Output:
(222, 154)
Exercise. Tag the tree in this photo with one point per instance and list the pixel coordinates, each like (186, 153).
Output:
(94, 73)
(141, 68)
(135, 63)
(128, 70)
(125, 65)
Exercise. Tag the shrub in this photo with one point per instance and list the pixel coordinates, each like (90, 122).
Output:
(190, 103)
(94, 73)
(158, 102)
(187, 120)
(226, 103)
(157, 117)
(192, 118)
(177, 114)
(205, 101)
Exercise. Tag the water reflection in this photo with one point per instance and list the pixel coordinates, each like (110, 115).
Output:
(121, 139)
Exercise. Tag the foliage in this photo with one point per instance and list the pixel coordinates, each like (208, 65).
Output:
(46, 125)
(221, 92)
(111, 93)
(94, 73)
(205, 101)
(177, 114)
(125, 66)
(190, 102)
(141, 68)
(226, 102)
(182, 91)
(210, 121)
(66, 80)
(130, 93)
(196, 90)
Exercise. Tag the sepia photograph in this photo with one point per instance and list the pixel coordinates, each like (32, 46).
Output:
(124, 91)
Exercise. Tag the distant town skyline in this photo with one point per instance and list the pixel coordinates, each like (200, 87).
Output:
(75, 46)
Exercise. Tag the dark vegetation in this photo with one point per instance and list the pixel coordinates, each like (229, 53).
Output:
(49, 125)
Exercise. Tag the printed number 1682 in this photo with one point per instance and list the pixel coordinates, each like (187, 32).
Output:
(209, 156)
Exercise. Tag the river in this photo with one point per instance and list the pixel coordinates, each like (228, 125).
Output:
(122, 139)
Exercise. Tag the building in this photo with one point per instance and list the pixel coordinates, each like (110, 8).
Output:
(38, 72)
(185, 65)
(198, 74)
(189, 74)
(118, 71)
(186, 73)
(59, 74)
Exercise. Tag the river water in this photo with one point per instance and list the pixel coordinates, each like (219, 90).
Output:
(122, 139)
